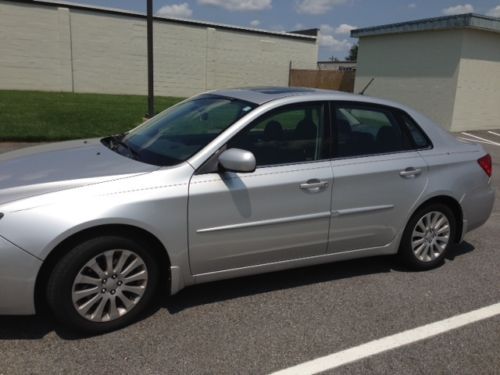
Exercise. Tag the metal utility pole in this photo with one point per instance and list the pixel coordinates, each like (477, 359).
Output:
(151, 97)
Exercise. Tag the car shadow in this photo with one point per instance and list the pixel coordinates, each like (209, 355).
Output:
(36, 327)
(219, 291)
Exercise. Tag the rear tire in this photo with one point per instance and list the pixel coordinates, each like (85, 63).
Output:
(428, 237)
(102, 284)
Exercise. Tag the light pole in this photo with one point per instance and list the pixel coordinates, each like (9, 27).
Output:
(151, 98)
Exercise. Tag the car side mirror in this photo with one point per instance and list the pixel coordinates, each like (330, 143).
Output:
(237, 160)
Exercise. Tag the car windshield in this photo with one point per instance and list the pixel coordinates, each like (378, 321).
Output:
(179, 132)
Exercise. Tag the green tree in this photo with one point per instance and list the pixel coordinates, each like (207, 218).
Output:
(353, 53)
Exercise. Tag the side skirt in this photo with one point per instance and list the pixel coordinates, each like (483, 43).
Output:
(295, 263)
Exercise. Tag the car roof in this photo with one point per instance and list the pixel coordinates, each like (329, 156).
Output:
(261, 95)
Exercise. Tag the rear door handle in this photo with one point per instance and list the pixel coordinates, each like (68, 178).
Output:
(410, 172)
(314, 185)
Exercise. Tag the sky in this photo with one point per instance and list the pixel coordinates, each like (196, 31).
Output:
(334, 18)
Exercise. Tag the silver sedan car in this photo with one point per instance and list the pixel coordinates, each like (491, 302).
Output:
(226, 184)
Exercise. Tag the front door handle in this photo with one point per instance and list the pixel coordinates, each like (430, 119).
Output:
(314, 185)
(410, 172)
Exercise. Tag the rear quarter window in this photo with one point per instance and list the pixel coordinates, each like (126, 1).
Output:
(418, 136)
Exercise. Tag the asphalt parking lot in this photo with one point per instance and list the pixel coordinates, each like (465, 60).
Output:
(261, 324)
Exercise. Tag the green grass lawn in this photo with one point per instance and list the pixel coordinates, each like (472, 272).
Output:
(49, 116)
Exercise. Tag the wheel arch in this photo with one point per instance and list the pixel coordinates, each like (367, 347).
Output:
(453, 204)
(128, 231)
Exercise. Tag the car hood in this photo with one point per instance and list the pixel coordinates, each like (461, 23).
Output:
(52, 167)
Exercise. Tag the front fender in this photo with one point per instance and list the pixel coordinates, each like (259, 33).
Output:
(161, 211)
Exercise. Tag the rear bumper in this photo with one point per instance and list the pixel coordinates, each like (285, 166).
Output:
(18, 272)
(477, 206)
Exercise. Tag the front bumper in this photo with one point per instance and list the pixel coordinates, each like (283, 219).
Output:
(18, 272)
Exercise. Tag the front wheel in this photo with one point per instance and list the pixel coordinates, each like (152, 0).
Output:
(102, 284)
(428, 237)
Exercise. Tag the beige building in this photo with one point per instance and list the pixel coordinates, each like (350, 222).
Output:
(448, 68)
(65, 47)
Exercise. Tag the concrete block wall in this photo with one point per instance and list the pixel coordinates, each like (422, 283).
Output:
(477, 101)
(109, 53)
(416, 69)
(452, 76)
(65, 49)
(34, 48)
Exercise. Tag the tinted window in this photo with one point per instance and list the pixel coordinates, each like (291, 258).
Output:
(367, 131)
(179, 132)
(292, 134)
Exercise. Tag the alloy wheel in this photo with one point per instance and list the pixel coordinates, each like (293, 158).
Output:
(430, 236)
(109, 285)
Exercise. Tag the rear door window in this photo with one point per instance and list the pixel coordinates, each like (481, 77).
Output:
(363, 130)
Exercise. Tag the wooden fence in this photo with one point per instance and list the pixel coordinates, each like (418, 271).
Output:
(322, 79)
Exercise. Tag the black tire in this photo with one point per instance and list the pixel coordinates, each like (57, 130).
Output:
(406, 253)
(60, 283)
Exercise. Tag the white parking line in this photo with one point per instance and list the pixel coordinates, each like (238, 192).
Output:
(474, 140)
(371, 348)
(491, 132)
(482, 139)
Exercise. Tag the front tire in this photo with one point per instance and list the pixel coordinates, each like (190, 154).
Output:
(428, 237)
(102, 284)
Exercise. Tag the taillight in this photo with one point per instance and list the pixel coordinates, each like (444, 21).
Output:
(485, 163)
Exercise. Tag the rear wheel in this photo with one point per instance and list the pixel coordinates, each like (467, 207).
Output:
(102, 284)
(428, 237)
